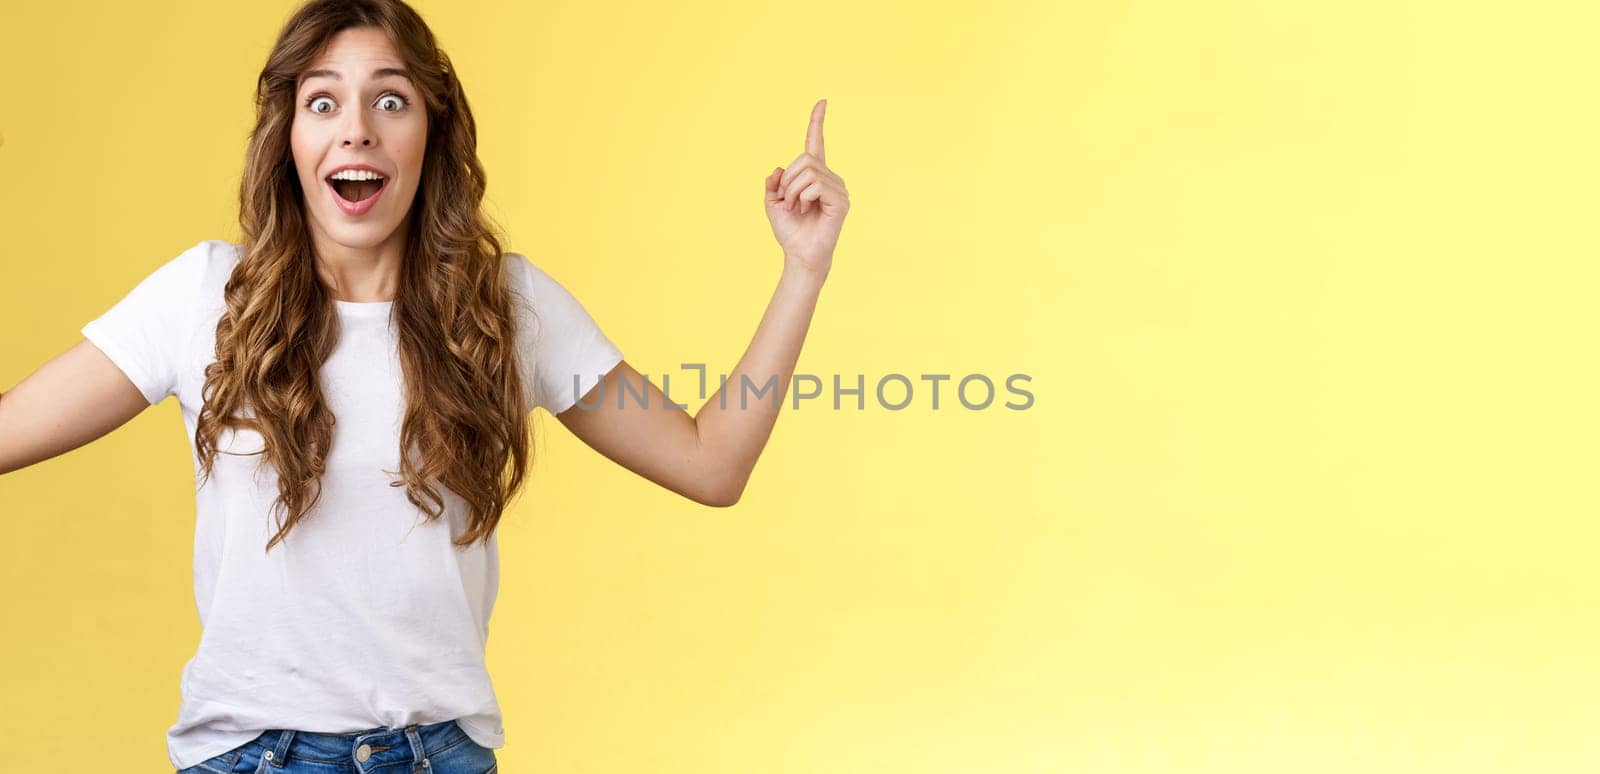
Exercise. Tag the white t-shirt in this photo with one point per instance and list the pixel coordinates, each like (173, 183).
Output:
(366, 615)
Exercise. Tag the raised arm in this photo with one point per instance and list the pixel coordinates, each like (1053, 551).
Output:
(76, 397)
(709, 457)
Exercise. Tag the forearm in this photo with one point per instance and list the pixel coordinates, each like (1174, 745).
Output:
(735, 423)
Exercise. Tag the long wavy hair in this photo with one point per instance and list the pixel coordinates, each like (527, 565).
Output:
(465, 417)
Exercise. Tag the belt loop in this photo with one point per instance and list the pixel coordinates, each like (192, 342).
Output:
(419, 753)
(279, 755)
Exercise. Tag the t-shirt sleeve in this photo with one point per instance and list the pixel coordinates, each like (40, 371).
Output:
(147, 332)
(562, 351)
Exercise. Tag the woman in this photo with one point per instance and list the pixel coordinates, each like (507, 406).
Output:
(344, 588)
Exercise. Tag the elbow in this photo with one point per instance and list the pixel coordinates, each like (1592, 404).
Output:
(720, 497)
(718, 485)
(721, 500)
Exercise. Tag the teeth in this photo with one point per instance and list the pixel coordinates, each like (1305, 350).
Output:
(355, 174)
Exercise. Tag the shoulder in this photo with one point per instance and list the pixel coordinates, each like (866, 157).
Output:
(198, 264)
(525, 275)
(530, 275)
(189, 276)
(535, 285)
(216, 256)
(199, 273)
(517, 269)
(541, 296)
(204, 256)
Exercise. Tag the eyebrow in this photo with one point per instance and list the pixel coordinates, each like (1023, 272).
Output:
(382, 72)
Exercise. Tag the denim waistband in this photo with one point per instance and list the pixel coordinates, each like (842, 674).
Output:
(366, 750)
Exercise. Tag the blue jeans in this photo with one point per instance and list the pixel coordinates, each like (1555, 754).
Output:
(437, 748)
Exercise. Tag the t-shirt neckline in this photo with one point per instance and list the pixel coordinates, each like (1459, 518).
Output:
(363, 308)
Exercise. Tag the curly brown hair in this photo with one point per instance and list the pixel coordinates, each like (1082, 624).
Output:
(465, 415)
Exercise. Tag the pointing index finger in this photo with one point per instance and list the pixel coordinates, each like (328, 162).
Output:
(814, 131)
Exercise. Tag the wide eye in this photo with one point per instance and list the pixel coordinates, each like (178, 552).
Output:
(398, 101)
(315, 100)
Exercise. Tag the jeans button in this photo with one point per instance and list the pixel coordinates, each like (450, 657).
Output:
(363, 753)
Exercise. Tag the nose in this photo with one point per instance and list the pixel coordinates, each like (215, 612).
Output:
(356, 131)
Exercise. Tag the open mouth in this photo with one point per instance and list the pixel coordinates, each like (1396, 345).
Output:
(356, 191)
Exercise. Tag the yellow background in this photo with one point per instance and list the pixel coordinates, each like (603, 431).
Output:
(1307, 292)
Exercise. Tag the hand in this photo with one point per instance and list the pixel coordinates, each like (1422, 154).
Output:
(806, 204)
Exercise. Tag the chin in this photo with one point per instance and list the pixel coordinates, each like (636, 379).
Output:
(359, 235)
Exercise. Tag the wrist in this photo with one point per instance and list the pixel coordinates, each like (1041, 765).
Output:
(799, 278)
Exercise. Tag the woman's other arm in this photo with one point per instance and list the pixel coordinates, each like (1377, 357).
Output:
(709, 457)
(69, 401)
